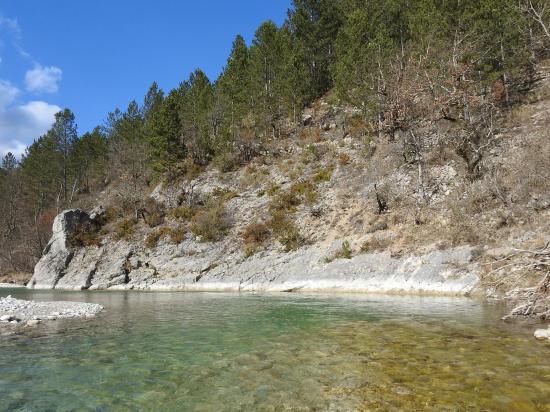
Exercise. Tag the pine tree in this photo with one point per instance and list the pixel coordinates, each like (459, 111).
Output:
(196, 116)
(166, 135)
(89, 158)
(233, 87)
(64, 134)
(314, 25)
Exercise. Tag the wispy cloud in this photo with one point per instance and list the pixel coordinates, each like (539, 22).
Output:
(43, 79)
(21, 124)
(8, 93)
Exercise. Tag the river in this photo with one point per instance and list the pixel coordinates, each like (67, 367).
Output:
(231, 352)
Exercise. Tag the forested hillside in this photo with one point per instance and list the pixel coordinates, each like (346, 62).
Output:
(400, 72)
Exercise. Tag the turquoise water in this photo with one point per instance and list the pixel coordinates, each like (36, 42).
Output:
(230, 352)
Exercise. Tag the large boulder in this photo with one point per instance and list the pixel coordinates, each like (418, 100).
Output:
(58, 253)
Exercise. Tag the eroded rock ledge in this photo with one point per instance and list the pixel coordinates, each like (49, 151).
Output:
(192, 266)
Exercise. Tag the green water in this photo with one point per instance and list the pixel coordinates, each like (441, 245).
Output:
(221, 352)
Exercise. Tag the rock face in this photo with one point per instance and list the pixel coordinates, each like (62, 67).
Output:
(222, 267)
(57, 254)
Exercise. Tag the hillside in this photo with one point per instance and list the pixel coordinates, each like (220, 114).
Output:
(306, 215)
(355, 148)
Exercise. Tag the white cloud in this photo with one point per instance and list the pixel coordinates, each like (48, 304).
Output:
(43, 79)
(8, 93)
(20, 125)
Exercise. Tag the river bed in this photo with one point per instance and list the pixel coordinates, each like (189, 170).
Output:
(230, 352)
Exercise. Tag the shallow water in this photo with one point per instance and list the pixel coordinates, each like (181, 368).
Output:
(230, 352)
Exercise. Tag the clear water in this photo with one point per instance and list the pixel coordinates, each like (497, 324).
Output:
(222, 352)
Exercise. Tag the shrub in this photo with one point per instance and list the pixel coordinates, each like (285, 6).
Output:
(273, 189)
(344, 159)
(252, 177)
(305, 190)
(286, 201)
(154, 212)
(125, 229)
(356, 125)
(279, 222)
(323, 175)
(224, 194)
(375, 245)
(254, 236)
(113, 213)
(155, 219)
(191, 169)
(291, 239)
(85, 235)
(311, 134)
(211, 223)
(177, 235)
(182, 213)
(311, 154)
(226, 162)
(344, 252)
(154, 236)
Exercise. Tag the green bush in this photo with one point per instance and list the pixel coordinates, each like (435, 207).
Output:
(344, 252)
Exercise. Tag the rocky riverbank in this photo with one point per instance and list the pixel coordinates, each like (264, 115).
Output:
(192, 266)
(16, 312)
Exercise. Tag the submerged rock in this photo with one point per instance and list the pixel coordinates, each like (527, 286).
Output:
(542, 334)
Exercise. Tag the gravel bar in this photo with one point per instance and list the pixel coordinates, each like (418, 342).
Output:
(15, 311)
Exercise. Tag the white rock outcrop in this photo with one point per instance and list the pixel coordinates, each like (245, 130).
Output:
(57, 254)
(221, 266)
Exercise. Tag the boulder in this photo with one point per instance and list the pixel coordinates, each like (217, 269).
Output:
(97, 213)
(58, 253)
(307, 119)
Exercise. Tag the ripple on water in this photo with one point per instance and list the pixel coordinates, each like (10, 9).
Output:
(269, 353)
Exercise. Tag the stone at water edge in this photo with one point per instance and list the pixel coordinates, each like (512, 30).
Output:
(542, 334)
(5, 318)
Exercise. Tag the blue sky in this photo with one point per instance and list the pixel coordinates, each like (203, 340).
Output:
(92, 56)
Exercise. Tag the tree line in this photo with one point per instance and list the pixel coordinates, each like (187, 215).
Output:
(385, 57)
